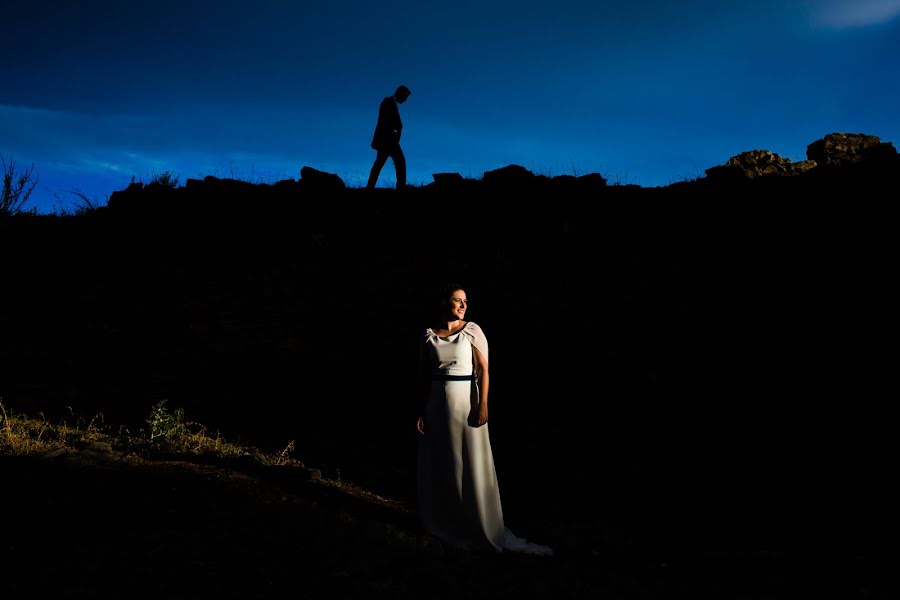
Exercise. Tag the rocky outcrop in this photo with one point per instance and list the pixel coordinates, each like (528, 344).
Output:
(839, 160)
(517, 178)
(315, 179)
(833, 150)
(757, 163)
(838, 149)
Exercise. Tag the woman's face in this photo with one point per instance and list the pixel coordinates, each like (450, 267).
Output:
(458, 304)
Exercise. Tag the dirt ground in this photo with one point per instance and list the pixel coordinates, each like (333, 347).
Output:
(93, 524)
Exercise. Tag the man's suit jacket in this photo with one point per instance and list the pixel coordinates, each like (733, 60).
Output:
(389, 126)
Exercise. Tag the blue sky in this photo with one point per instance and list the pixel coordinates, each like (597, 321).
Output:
(644, 92)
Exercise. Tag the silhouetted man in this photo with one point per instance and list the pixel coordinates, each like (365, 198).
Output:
(386, 140)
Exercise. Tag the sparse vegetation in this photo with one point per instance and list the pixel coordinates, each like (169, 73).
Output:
(82, 204)
(26, 435)
(17, 186)
(167, 179)
(165, 424)
(169, 435)
(168, 431)
(232, 171)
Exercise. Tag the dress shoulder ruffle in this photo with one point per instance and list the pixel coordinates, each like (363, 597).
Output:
(475, 335)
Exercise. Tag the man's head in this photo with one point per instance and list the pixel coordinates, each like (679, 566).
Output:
(402, 94)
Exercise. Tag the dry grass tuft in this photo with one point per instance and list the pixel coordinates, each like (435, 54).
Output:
(168, 432)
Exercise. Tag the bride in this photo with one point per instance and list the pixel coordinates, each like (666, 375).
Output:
(457, 491)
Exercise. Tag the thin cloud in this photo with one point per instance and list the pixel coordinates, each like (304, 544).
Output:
(840, 14)
(98, 154)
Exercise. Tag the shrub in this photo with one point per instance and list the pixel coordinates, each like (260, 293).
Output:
(166, 425)
(17, 187)
(169, 431)
(82, 204)
(167, 179)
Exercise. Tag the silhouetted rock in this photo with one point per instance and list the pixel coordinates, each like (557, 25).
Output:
(590, 182)
(515, 176)
(118, 197)
(313, 179)
(453, 182)
(287, 186)
(226, 186)
(447, 179)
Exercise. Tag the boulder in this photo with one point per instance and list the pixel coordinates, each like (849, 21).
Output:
(837, 149)
(757, 163)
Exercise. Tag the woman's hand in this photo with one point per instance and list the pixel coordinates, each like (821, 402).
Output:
(482, 416)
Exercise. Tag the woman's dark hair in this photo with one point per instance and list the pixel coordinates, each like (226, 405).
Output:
(433, 300)
(448, 288)
(440, 297)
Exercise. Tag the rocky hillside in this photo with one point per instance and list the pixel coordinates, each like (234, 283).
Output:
(691, 385)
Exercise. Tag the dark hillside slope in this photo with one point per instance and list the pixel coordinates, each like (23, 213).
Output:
(677, 369)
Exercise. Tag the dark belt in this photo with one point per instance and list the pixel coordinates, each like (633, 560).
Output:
(444, 377)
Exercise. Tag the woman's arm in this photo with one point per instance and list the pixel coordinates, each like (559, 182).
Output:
(422, 389)
(482, 372)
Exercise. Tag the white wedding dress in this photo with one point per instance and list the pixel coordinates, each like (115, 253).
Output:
(458, 494)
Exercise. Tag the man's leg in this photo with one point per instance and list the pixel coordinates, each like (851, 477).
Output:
(400, 167)
(380, 159)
